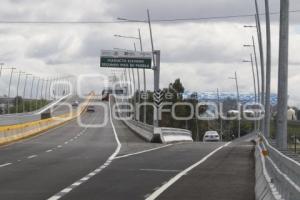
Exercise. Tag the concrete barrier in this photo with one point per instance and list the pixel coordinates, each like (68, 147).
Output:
(169, 135)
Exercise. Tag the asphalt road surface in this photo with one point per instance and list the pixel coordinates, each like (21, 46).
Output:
(111, 162)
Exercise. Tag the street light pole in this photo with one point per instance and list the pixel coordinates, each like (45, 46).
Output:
(268, 72)
(238, 103)
(254, 83)
(1, 66)
(221, 120)
(17, 97)
(8, 94)
(262, 64)
(253, 76)
(41, 97)
(144, 73)
(24, 91)
(257, 73)
(30, 100)
(37, 92)
(281, 134)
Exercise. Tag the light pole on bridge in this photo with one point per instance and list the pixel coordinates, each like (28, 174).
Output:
(237, 102)
(254, 83)
(24, 91)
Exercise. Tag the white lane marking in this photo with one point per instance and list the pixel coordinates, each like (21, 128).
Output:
(49, 150)
(99, 169)
(85, 178)
(144, 151)
(66, 142)
(66, 190)
(56, 197)
(59, 146)
(32, 156)
(76, 183)
(161, 170)
(6, 164)
(165, 186)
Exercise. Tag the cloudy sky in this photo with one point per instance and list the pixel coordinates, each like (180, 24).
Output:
(203, 53)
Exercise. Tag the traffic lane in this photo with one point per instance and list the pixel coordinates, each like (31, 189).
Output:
(137, 176)
(48, 140)
(43, 176)
(228, 175)
(66, 106)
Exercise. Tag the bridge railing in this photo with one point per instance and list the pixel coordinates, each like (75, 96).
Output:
(280, 173)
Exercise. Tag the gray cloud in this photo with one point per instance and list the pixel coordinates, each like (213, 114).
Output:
(202, 54)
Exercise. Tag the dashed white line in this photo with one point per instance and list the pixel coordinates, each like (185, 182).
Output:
(165, 186)
(85, 178)
(66, 190)
(49, 150)
(55, 197)
(76, 183)
(6, 164)
(59, 146)
(96, 171)
(32, 156)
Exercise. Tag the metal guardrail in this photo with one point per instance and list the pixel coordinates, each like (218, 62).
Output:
(281, 173)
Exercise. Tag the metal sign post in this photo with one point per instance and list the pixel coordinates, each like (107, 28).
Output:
(156, 70)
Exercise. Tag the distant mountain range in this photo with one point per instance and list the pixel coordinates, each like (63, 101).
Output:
(212, 96)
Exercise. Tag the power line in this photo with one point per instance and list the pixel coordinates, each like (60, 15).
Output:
(136, 20)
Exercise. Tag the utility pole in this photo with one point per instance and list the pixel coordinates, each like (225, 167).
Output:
(268, 72)
(281, 133)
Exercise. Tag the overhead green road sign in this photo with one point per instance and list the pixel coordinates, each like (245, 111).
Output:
(125, 59)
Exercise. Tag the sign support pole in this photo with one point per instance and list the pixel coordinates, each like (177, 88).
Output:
(156, 70)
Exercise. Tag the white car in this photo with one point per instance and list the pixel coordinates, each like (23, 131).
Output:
(211, 136)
